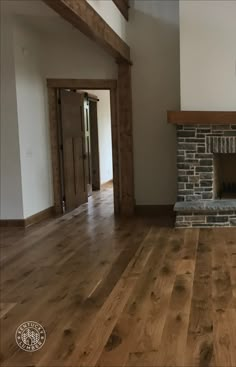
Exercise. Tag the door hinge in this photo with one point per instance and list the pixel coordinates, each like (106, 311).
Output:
(59, 101)
(61, 146)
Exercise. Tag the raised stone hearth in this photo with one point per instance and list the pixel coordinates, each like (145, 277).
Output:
(206, 162)
(206, 213)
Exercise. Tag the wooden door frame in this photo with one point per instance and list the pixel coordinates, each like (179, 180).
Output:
(95, 152)
(53, 85)
(82, 16)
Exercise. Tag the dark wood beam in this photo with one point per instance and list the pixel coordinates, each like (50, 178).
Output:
(123, 6)
(82, 16)
(83, 83)
(201, 117)
(126, 138)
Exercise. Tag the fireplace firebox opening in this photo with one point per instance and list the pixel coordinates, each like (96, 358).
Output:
(225, 176)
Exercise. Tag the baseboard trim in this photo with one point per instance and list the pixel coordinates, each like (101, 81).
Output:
(39, 217)
(12, 223)
(155, 210)
(33, 219)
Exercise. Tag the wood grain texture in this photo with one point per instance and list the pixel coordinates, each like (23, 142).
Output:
(33, 219)
(54, 145)
(12, 223)
(121, 129)
(94, 144)
(82, 16)
(75, 160)
(102, 84)
(201, 117)
(161, 210)
(119, 292)
(53, 86)
(115, 150)
(126, 138)
(40, 216)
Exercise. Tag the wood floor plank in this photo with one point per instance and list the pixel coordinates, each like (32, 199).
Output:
(95, 340)
(87, 309)
(199, 348)
(125, 333)
(5, 308)
(174, 335)
(83, 316)
(114, 292)
(154, 310)
(222, 302)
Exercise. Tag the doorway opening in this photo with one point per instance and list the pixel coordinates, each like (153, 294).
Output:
(85, 144)
(84, 141)
(99, 109)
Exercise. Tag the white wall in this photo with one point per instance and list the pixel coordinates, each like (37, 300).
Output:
(33, 122)
(104, 134)
(208, 55)
(55, 50)
(48, 55)
(40, 49)
(11, 206)
(76, 57)
(111, 14)
(154, 42)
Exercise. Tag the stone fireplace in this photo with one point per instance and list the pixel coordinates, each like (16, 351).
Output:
(206, 162)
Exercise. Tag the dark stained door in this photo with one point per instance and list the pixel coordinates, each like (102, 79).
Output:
(74, 152)
(94, 145)
(88, 144)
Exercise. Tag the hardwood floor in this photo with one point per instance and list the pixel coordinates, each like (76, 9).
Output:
(115, 292)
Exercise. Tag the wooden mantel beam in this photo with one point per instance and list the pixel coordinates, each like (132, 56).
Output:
(82, 16)
(201, 117)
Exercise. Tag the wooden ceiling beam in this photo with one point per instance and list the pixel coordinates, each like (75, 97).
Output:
(82, 16)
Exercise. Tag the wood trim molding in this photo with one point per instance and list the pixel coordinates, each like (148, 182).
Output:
(40, 216)
(126, 138)
(53, 85)
(123, 6)
(155, 210)
(201, 117)
(82, 16)
(122, 135)
(53, 126)
(82, 83)
(115, 150)
(33, 219)
(12, 223)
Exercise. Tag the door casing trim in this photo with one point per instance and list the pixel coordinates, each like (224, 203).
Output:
(103, 84)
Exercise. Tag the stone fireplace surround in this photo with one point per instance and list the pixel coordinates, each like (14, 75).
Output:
(197, 144)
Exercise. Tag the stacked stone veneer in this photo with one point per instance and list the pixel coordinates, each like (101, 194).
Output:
(197, 145)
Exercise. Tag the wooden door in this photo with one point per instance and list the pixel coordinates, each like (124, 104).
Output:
(94, 145)
(87, 144)
(74, 155)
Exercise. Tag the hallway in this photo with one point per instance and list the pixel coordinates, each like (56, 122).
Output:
(119, 292)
